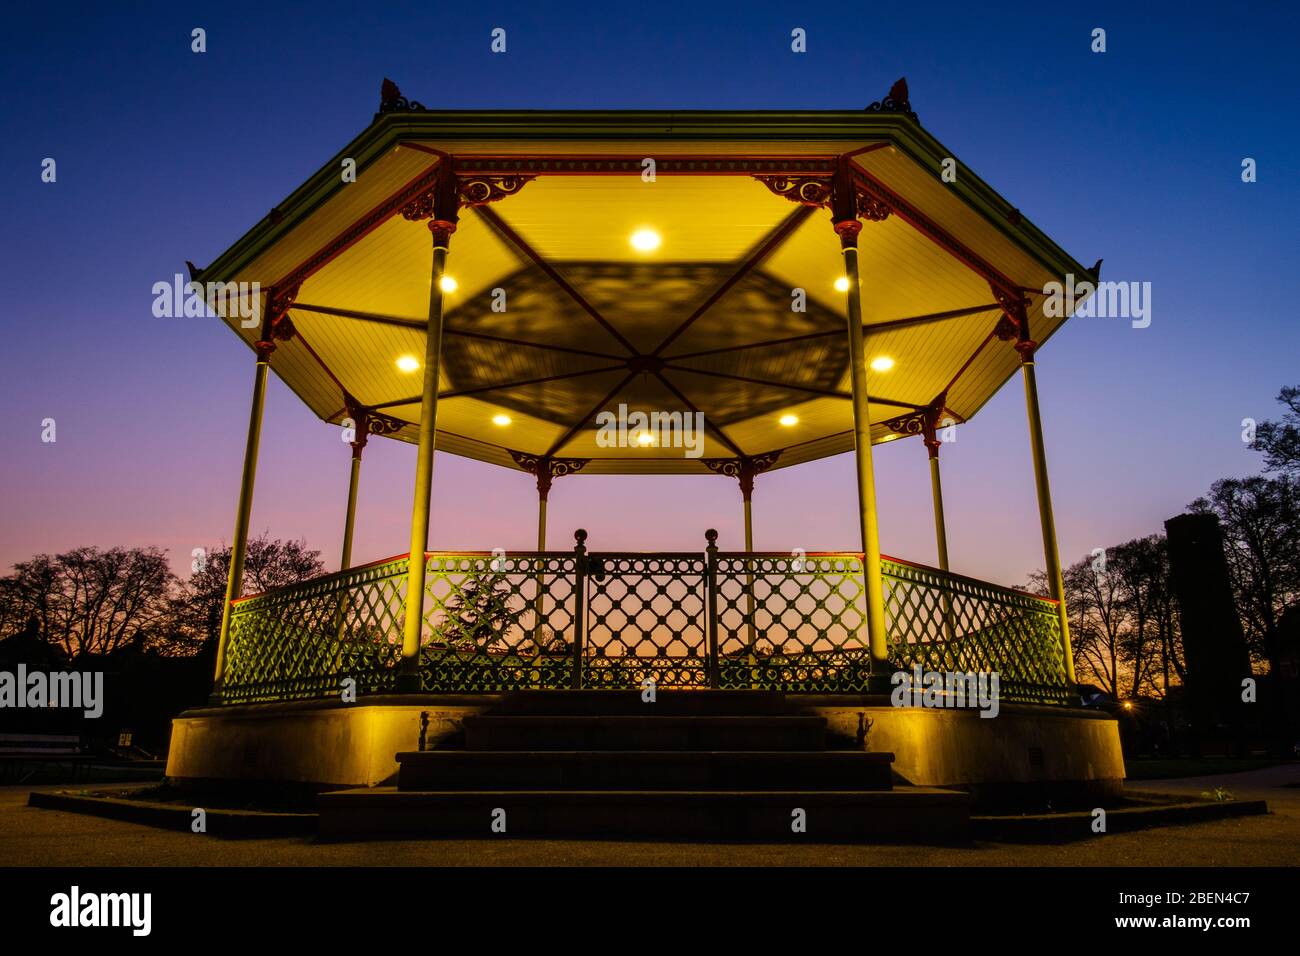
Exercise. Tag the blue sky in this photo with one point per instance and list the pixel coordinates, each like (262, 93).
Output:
(164, 155)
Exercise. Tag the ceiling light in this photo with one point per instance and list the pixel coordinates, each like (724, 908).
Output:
(842, 284)
(645, 439)
(448, 284)
(789, 420)
(408, 363)
(882, 363)
(499, 419)
(646, 240)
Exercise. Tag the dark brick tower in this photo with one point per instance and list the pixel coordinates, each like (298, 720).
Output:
(1214, 647)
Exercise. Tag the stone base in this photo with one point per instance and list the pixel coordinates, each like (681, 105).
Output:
(1028, 755)
(1025, 756)
(317, 744)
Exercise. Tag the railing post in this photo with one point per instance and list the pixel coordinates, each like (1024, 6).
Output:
(711, 606)
(579, 603)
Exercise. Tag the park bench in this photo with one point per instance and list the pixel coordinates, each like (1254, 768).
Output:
(22, 755)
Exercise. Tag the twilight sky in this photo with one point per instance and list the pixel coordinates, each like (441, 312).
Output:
(164, 155)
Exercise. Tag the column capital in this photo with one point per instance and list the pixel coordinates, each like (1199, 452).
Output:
(1014, 323)
(745, 468)
(443, 200)
(924, 422)
(441, 229)
(360, 416)
(855, 197)
(848, 233)
(930, 420)
(546, 468)
(366, 422)
(848, 196)
(440, 201)
(276, 324)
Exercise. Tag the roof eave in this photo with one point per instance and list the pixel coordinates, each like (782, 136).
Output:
(389, 129)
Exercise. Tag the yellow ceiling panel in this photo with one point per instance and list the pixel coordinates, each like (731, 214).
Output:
(925, 358)
(923, 188)
(388, 272)
(698, 218)
(815, 418)
(556, 316)
(375, 184)
(364, 355)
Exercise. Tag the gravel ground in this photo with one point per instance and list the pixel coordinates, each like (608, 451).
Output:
(34, 837)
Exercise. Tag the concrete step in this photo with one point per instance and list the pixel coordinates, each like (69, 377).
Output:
(660, 732)
(644, 770)
(903, 815)
(667, 703)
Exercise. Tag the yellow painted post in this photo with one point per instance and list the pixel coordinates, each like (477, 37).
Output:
(539, 605)
(1051, 552)
(751, 635)
(868, 518)
(749, 524)
(541, 522)
(940, 528)
(414, 623)
(936, 491)
(350, 519)
(243, 512)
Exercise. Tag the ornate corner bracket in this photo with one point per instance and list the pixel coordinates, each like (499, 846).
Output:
(1014, 324)
(546, 468)
(276, 324)
(744, 468)
(805, 190)
(366, 422)
(443, 200)
(820, 192)
(925, 422)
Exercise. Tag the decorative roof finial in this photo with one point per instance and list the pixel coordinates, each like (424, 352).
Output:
(896, 101)
(391, 99)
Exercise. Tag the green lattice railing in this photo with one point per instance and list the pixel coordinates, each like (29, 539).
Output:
(946, 622)
(645, 618)
(495, 622)
(805, 631)
(304, 641)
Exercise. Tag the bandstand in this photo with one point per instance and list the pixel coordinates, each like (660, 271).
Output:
(501, 285)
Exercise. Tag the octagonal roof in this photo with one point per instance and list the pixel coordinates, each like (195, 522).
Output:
(556, 317)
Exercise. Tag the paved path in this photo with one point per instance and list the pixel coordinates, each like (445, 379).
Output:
(30, 836)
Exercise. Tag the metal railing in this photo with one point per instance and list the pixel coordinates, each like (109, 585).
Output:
(551, 620)
(304, 641)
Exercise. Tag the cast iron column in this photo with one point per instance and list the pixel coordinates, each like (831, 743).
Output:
(845, 217)
(930, 425)
(275, 324)
(1026, 346)
(441, 227)
(360, 428)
